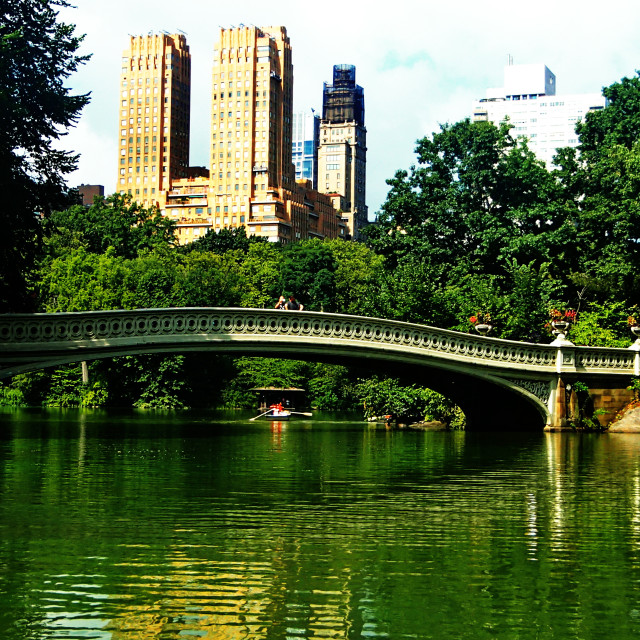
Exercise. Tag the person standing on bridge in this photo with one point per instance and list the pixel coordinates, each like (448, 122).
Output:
(293, 304)
(281, 304)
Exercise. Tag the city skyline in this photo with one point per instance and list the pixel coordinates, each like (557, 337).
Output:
(250, 180)
(417, 73)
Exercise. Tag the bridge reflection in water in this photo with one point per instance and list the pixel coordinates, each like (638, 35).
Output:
(497, 383)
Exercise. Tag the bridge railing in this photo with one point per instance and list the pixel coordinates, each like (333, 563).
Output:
(25, 336)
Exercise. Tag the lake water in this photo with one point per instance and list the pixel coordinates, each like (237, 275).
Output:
(147, 526)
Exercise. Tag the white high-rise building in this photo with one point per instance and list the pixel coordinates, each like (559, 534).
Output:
(529, 100)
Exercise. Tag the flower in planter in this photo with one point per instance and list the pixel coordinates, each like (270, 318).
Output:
(556, 316)
(563, 316)
(481, 322)
(480, 318)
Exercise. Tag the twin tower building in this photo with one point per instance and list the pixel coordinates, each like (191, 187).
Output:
(251, 180)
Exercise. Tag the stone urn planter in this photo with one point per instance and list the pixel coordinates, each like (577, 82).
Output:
(560, 327)
(635, 329)
(482, 329)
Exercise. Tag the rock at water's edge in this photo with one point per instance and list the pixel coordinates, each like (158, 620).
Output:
(629, 423)
(429, 426)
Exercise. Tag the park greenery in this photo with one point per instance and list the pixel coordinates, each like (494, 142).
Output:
(477, 227)
(37, 54)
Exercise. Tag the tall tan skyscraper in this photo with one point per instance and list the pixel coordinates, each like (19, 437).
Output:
(342, 154)
(155, 96)
(252, 96)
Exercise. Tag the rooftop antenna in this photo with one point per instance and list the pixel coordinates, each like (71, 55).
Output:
(509, 60)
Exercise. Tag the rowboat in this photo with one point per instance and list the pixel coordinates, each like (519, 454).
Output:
(278, 414)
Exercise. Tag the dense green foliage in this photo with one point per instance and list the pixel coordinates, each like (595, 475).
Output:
(477, 225)
(387, 399)
(132, 230)
(37, 54)
(222, 241)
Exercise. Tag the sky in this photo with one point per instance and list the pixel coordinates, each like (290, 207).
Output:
(421, 63)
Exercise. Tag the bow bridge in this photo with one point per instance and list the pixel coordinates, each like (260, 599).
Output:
(497, 383)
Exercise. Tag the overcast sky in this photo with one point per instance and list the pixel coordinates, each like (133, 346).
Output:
(421, 63)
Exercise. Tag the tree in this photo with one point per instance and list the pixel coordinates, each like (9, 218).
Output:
(358, 274)
(405, 403)
(261, 372)
(601, 181)
(37, 54)
(259, 269)
(617, 124)
(83, 281)
(416, 290)
(115, 221)
(307, 270)
(473, 193)
(331, 387)
(223, 240)
(602, 325)
(208, 280)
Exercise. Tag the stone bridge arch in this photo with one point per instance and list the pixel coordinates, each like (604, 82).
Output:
(499, 384)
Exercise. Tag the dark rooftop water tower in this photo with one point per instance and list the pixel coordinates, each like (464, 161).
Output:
(343, 101)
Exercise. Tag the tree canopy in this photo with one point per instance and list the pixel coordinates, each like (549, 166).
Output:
(37, 55)
(114, 221)
(474, 192)
(223, 240)
(487, 226)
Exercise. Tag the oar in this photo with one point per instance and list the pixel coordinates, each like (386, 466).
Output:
(301, 413)
(262, 414)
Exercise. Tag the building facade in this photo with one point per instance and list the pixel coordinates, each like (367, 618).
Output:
(304, 146)
(529, 100)
(87, 192)
(342, 154)
(252, 103)
(155, 95)
(251, 180)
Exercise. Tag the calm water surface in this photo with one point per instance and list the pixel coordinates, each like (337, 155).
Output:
(143, 526)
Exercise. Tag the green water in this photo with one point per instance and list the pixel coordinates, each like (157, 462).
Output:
(140, 526)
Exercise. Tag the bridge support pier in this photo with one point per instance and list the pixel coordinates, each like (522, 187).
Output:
(606, 403)
(558, 410)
